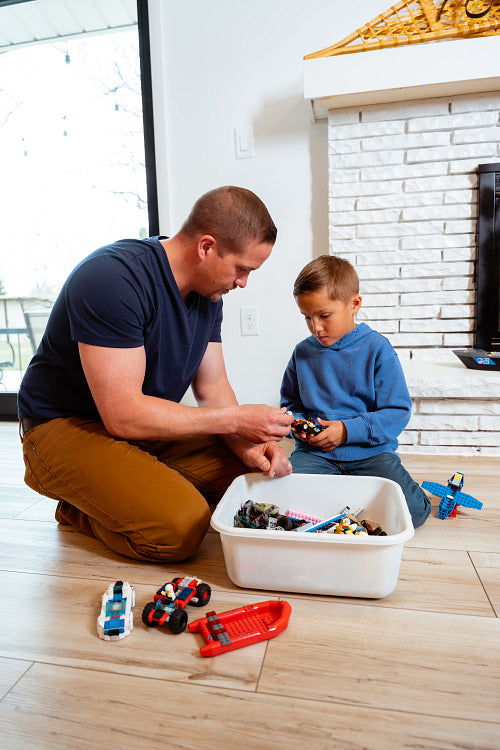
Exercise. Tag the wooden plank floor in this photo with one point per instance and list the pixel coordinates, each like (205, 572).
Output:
(418, 669)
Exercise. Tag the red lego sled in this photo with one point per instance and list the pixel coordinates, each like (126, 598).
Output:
(241, 627)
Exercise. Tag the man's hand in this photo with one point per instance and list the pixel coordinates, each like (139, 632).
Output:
(334, 435)
(259, 423)
(269, 458)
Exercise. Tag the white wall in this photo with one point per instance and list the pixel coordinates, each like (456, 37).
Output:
(226, 64)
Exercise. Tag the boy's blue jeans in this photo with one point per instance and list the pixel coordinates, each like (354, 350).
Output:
(386, 465)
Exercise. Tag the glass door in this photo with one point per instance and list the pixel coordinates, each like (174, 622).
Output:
(73, 175)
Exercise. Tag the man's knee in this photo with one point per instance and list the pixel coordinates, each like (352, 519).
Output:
(170, 539)
(185, 538)
(179, 538)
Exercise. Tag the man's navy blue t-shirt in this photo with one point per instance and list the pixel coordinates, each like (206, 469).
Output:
(123, 295)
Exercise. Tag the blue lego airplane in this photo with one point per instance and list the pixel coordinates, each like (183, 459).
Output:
(452, 496)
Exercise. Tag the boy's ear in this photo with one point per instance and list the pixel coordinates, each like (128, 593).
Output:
(356, 303)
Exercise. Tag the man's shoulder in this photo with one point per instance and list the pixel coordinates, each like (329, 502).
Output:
(126, 250)
(122, 259)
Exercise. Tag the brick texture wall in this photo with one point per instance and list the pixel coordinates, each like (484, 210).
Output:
(453, 426)
(402, 209)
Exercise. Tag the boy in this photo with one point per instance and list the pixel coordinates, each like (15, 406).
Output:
(347, 377)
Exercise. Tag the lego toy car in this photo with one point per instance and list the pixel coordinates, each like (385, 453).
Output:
(116, 619)
(170, 601)
(305, 427)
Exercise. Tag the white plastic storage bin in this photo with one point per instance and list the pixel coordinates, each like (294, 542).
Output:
(334, 564)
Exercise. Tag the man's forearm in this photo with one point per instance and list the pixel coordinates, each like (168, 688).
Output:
(236, 444)
(151, 418)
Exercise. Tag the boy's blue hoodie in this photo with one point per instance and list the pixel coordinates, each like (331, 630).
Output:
(358, 380)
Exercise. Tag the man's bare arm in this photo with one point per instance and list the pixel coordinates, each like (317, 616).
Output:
(115, 378)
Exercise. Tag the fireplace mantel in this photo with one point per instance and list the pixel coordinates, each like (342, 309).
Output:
(403, 73)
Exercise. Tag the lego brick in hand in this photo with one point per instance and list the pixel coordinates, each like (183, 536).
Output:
(306, 428)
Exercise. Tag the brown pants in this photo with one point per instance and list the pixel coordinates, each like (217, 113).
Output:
(147, 500)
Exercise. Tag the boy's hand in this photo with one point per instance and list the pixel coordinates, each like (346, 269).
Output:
(297, 431)
(334, 435)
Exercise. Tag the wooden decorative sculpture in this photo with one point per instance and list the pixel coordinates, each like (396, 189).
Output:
(416, 21)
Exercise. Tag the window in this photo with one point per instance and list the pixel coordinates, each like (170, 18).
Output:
(73, 156)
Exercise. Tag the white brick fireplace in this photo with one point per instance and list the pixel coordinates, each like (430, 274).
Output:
(402, 209)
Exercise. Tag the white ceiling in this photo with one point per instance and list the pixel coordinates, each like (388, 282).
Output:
(34, 21)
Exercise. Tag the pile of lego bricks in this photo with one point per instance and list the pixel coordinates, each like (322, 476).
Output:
(260, 515)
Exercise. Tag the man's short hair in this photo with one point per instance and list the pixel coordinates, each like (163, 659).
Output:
(234, 216)
(336, 274)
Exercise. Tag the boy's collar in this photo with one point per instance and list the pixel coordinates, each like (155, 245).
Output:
(358, 330)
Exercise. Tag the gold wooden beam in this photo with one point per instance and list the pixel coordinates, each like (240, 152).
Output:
(414, 22)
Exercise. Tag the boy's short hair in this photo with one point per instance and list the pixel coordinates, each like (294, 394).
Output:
(234, 216)
(336, 274)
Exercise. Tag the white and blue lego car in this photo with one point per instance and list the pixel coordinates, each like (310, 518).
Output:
(116, 619)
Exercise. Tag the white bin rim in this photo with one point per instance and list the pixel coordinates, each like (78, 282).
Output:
(237, 494)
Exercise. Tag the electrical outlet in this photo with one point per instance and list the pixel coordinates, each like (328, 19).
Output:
(249, 321)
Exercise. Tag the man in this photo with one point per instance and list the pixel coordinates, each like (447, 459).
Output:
(135, 324)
